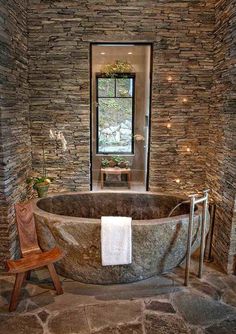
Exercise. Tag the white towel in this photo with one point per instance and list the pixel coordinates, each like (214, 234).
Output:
(116, 239)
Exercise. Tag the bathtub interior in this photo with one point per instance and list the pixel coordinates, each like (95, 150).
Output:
(139, 206)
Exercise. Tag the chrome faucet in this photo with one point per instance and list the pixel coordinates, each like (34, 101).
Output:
(184, 202)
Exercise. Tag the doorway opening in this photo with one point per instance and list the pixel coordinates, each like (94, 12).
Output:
(120, 97)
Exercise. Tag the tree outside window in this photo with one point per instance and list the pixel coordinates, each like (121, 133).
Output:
(115, 114)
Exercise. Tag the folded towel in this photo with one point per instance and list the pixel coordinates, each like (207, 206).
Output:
(116, 239)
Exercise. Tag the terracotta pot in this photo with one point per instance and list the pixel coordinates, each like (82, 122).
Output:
(112, 163)
(122, 164)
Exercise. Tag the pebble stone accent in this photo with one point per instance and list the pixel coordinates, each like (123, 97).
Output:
(158, 305)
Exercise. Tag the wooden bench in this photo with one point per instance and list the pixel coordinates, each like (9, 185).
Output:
(116, 171)
(32, 256)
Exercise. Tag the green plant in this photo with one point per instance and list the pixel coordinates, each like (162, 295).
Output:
(118, 67)
(124, 164)
(42, 181)
(116, 159)
(123, 92)
(105, 163)
(40, 184)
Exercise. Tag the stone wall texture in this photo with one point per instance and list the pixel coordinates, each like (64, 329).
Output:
(193, 89)
(15, 151)
(60, 33)
(221, 166)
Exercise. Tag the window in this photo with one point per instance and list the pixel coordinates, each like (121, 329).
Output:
(115, 114)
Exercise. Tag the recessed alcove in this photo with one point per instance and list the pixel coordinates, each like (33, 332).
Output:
(117, 114)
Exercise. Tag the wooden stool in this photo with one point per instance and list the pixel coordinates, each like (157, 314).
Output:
(32, 256)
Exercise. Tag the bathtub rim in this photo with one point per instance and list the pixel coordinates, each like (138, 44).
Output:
(56, 218)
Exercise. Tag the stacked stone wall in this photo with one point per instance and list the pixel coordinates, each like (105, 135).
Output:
(221, 163)
(60, 33)
(15, 150)
(193, 98)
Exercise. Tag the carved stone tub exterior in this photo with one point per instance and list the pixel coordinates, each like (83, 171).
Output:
(72, 221)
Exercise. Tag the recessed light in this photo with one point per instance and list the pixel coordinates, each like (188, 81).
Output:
(168, 125)
(130, 53)
(185, 100)
(177, 180)
(103, 53)
(169, 78)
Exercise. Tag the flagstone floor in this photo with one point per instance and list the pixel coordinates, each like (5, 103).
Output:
(159, 305)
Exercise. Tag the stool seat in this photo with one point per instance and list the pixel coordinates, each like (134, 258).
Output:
(34, 261)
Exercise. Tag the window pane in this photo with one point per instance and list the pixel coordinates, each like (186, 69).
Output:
(115, 125)
(106, 87)
(124, 87)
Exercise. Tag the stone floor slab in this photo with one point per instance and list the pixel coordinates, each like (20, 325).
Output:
(106, 330)
(130, 329)
(231, 282)
(43, 315)
(162, 304)
(207, 289)
(113, 313)
(216, 279)
(163, 324)
(229, 297)
(164, 307)
(123, 329)
(69, 322)
(225, 327)
(198, 310)
(20, 324)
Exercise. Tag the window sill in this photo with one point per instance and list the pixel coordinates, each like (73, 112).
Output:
(114, 154)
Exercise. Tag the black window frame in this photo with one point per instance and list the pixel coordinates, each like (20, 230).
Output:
(115, 76)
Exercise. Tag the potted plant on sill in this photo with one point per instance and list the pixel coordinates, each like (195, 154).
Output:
(105, 163)
(115, 162)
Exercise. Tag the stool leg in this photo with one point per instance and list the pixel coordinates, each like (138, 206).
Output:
(16, 291)
(129, 180)
(28, 275)
(102, 180)
(55, 278)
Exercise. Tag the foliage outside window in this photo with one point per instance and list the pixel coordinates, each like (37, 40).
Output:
(115, 114)
(111, 70)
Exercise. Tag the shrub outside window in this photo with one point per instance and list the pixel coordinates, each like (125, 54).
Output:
(115, 114)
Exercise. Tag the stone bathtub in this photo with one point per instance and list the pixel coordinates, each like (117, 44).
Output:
(72, 221)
